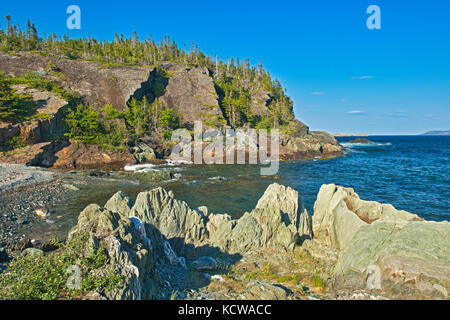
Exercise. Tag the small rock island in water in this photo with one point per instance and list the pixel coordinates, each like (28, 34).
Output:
(361, 141)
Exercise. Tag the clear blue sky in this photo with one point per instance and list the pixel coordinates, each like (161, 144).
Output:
(342, 76)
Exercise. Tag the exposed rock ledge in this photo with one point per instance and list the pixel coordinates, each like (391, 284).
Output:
(396, 251)
(161, 223)
(378, 248)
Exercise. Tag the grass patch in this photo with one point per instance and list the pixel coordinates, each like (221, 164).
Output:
(44, 277)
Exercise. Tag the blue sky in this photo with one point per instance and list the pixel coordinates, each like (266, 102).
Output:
(342, 76)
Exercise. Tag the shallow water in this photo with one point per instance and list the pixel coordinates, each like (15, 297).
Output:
(409, 172)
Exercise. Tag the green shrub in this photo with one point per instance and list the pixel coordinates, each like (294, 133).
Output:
(111, 112)
(44, 277)
(14, 107)
(84, 124)
(15, 143)
(318, 282)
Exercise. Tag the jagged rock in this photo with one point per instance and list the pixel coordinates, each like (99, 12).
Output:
(3, 255)
(119, 203)
(339, 213)
(166, 217)
(143, 153)
(205, 263)
(171, 217)
(291, 207)
(333, 223)
(171, 256)
(215, 221)
(305, 230)
(129, 256)
(285, 198)
(257, 229)
(31, 252)
(263, 290)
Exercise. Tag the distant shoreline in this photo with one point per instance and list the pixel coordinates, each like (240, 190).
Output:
(390, 135)
(437, 133)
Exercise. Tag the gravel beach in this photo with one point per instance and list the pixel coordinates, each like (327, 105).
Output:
(18, 175)
(23, 190)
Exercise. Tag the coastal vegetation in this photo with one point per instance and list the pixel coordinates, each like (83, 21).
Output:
(236, 80)
(19, 107)
(113, 129)
(44, 276)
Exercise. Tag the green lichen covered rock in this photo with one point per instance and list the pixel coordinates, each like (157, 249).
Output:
(390, 249)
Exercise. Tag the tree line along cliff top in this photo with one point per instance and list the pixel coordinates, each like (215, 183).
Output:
(238, 85)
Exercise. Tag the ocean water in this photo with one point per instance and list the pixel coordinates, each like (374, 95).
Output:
(410, 172)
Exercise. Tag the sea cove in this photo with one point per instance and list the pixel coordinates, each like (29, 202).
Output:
(135, 167)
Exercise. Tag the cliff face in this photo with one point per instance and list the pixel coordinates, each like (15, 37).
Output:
(39, 129)
(190, 91)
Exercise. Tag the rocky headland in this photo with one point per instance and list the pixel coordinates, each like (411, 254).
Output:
(85, 110)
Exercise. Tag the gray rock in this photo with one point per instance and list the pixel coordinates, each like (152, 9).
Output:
(70, 187)
(339, 213)
(31, 252)
(263, 290)
(171, 256)
(130, 256)
(119, 203)
(143, 153)
(205, 263)
(390, 247)
(257, 229)
(284, 198)
(305, 230)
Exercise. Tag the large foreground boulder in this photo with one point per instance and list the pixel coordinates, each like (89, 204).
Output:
(276, 221)
(339, 213)
(130, 253)
(388, 247)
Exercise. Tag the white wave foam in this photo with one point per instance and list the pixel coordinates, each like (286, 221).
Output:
(218, 178)
(362, 145)
(171, 162)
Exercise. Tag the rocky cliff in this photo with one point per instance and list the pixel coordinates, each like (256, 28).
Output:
(191, 91)
(364, 249)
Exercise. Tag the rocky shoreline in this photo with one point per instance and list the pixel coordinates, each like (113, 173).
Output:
(348, 249)
(28, 196)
